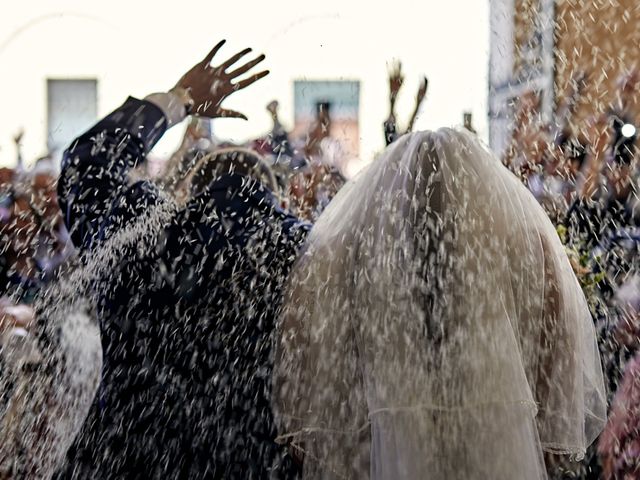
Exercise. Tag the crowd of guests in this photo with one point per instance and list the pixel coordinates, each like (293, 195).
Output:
(34, 240)
(585, 175)
(35, 248)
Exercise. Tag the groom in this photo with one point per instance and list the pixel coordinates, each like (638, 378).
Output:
(186, 322)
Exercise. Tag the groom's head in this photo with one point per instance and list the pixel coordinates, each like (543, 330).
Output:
(240, 161)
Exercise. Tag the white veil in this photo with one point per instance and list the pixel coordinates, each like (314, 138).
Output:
(434, 328)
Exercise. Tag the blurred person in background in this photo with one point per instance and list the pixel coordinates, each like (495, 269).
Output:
(606, 199)
(278, 151)
(20, 273)
(321, 178)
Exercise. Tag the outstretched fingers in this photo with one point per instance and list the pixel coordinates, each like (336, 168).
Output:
(252, 79)
(246, 67)
(234, 59)
(207, 60)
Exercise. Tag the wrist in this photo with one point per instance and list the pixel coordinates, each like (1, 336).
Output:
(184, 98)
(174, 105)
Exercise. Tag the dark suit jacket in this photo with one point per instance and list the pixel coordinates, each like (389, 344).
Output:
(186, 318)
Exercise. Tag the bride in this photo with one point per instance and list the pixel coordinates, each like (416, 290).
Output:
(434, 327)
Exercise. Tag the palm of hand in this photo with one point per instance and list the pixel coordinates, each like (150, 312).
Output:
(396, 79)
(209, 86)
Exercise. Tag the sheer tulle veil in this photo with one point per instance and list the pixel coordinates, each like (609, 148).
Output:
(433, 327)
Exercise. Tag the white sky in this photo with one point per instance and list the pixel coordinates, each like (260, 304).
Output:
(137, 47)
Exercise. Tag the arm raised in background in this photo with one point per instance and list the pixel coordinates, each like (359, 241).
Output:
(396, 79)
(422, 92)
(94, 183)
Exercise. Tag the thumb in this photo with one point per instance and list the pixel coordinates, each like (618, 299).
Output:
(225, 113)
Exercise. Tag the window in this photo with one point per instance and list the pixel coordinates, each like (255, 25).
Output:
(71, 109)
(341, 101)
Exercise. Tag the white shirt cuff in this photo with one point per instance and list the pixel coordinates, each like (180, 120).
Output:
(170, 104)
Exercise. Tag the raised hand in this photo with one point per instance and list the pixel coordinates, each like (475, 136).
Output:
(17, 138)
(396, 79)
(422, 92)
(272, 108)
(208, 86)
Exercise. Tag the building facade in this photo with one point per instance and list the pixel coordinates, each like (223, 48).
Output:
(542, 45)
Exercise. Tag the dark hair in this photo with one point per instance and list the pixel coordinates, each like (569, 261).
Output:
(232, 160)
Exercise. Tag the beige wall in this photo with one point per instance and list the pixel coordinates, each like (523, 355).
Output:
(601, 38)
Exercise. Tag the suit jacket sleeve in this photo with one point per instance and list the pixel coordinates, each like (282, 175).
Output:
(94, 181)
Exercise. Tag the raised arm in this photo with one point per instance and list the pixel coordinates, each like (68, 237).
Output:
(396, 79)
(422, 92)
(94, 180)
(96, 165)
